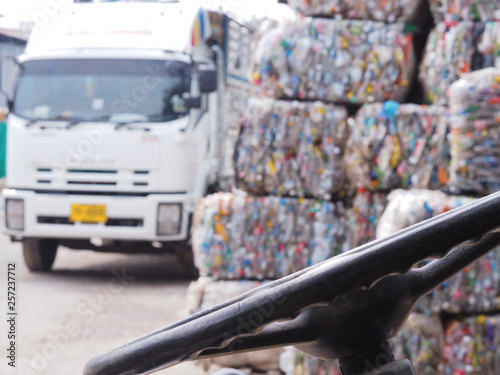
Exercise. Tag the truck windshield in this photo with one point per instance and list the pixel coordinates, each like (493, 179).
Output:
(102, 90)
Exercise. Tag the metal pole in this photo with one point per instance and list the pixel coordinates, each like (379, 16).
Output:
(219, 127)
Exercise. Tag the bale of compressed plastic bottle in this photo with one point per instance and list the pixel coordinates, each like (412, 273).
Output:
(389, 11)
(475, 289)
(206, 293)
(421, 340)
(396, 145)
(363, 216)
(472, 10)
(335, 60)
(291, 148)
(474, 136)
(292, 361)
(408, 207)
(261, 238)
(454, 49)
(472, 346)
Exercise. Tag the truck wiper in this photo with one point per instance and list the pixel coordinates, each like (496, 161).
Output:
(125, 123)
(124, 119)
(36, 121)
(32, 122)
(72, 123)
(76, 120)
(119, 125)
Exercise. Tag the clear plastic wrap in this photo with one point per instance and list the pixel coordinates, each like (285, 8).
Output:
(265, 237)
(388, 11)
(454, 49)
(342, 61)
(408, 207)
(472, 10)
(396, 145)
(475, 137)
(291, 148)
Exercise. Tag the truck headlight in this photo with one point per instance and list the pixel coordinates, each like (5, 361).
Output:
(14, 214)
(169, 219)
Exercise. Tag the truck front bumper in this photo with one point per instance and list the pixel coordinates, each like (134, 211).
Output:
(129, 218)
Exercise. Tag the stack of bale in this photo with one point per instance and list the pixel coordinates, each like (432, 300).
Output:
(475, 291)
(460, 69)
(475, 113)
(464, 40)
(468, 302)
(314, 183)
(290, 155)
(291, 164)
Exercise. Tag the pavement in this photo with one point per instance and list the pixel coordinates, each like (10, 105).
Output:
(90, 303)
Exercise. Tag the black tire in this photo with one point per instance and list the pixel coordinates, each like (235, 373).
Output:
(185, 260)
(39, 255)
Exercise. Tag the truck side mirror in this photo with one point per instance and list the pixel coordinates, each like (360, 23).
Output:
(7, 83)
(208, 78)
(191, 102)
(8, 102)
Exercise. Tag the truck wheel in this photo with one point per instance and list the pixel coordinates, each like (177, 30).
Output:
(39, 255)
(185, 260)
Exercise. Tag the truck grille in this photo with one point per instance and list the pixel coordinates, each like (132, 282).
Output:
(91, 183)
(112, 222)
(105, 171)
(126, 180)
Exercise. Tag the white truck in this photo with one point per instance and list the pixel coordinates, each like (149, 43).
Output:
(117, 126)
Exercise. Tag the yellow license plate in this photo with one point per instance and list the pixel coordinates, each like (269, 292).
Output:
(88, 213)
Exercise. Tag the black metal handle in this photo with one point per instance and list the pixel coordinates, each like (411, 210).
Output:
(316, 307)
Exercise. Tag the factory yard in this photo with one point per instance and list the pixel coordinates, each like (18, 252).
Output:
(87, 305)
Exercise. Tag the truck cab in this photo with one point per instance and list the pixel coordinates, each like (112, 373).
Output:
(113, 130)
